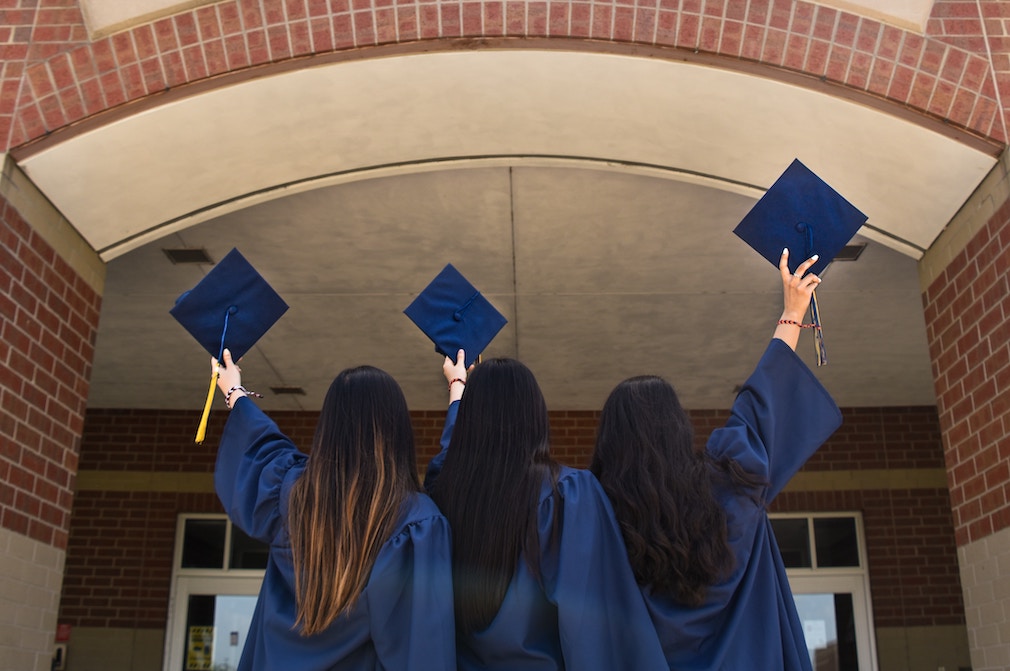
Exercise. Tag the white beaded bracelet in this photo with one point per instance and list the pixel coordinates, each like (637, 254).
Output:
(227, 397)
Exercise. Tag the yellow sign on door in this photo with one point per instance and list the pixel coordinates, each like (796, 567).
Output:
(200, 649)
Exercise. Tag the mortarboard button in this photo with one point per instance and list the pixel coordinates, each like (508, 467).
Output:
(231, 307)
(801, 213)
(455, 315)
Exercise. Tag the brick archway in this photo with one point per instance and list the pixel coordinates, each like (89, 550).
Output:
(64, 78)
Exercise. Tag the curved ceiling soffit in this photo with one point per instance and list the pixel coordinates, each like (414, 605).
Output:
(178, 160)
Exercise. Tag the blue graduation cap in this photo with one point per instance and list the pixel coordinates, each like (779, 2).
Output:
(231, 307)
(455, 315)
(801, 213)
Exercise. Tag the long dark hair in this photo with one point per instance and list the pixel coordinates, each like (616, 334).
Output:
(661, 490)
(361, 469)
(490, 485)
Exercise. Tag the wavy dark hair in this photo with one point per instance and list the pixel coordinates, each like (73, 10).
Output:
(490, 485)
(661, 489)
(361, 470)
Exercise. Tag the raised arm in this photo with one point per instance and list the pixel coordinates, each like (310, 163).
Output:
(783, 413)
(455, 375)
(797, 289)
(255, 461)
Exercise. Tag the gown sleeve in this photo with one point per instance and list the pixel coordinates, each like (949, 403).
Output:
(410, 598)
(779, 419)
(435, 465)
(602, 618)
(256, 465)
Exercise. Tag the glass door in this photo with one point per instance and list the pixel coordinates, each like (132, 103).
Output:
(836, 622)
(210, 620)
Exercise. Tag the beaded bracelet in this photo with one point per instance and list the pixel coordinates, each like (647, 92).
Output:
(227, 397)
(455, 380)
(790, 322)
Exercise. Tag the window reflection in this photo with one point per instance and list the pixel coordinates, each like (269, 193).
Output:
(246, 552)
(203, 543)
(793, 537)
(835, 539)
(204, 546)
(830, 630)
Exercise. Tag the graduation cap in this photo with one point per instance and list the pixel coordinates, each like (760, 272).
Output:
(231, 307)
(455, 315)
(800, 212)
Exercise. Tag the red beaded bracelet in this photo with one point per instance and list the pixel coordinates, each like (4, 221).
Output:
(455, 380)
(790, 322)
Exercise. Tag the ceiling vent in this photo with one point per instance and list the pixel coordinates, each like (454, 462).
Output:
(288, 389)
(178, 256)
(850, 252)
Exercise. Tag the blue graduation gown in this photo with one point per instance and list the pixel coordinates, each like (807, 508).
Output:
(588, 615)
(403, 618)
(749, 621)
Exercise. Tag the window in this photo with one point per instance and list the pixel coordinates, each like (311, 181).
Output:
(825, 562)
(206, 541)
(216, 577)
(818, 542)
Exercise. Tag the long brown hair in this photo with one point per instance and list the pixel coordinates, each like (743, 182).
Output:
(489, 488)
(361, 470)
(661, 489)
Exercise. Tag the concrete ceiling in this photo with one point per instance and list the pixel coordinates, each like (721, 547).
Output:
(592, 197)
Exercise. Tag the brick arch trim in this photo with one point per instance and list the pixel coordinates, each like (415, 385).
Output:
(65, 78)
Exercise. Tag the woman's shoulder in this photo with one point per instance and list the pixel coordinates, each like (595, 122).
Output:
(420, 543)
(420, 506)
(571, 482)
(575, 476)
(419, 516)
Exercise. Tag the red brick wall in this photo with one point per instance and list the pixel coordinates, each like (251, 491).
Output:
(162, 440)
(121, 544)
(967, 311)
(914, 578)
(65, 77)
(869, 438)
(48, 319)
(15, 40)
(975, 27)
(119, 561)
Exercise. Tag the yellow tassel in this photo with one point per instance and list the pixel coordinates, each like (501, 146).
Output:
(202, 431)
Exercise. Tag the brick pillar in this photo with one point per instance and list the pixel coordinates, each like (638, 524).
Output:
(50, 295)
(966, 294)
